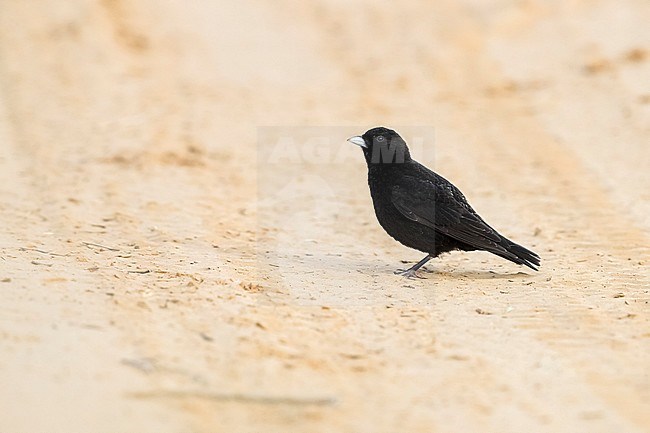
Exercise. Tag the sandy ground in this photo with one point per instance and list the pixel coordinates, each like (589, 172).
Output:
(162, 271)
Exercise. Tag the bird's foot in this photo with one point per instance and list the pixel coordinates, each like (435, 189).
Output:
(409, 273)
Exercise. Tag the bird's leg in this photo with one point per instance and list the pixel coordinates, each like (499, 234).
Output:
(412, 271)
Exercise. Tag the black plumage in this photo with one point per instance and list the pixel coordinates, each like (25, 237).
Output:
(423, 210)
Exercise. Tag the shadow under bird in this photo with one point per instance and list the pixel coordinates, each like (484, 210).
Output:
(423, 210)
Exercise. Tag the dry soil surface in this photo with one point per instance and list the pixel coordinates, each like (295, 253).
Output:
(188, 243)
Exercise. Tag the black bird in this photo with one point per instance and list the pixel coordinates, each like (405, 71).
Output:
(423, 210)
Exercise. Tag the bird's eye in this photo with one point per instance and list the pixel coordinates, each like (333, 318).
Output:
(380, 138)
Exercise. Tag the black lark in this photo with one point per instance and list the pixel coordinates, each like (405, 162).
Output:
(423, 210)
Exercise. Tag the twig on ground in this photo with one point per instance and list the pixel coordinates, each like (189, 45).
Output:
(239, 398)
(140, 271)
(43, 252)
(93, 244)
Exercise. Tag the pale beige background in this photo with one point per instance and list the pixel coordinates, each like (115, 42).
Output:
(128, 143)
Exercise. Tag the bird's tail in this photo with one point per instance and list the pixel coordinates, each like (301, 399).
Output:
(518, 254)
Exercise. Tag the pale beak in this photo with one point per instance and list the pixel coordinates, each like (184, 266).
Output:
(358, 141)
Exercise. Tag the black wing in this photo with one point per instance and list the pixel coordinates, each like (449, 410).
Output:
(435, 202)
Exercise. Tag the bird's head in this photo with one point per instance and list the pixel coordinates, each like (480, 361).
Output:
(382, 146)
